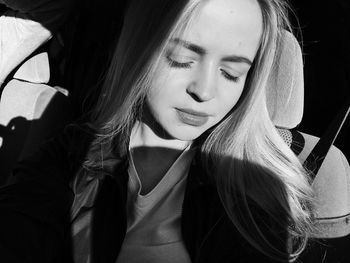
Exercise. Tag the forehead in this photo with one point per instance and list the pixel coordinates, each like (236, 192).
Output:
(227, 27)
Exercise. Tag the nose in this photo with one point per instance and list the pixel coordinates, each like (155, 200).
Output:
(203, 87)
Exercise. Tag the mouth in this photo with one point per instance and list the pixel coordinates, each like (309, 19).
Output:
(191, 117)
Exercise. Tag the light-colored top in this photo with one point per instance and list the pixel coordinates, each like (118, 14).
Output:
(154, 219)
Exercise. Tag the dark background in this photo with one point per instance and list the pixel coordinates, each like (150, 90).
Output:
(325, 27)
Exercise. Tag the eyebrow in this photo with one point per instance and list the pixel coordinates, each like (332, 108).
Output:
(201, 51)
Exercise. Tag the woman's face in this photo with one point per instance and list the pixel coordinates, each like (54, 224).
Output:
(203, 73)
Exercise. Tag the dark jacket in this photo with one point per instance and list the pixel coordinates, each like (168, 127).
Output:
(57, 210)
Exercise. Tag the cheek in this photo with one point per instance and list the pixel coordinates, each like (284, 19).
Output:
(162, 96)
(167, 86)
(229, 96)
(159, 94)
(157, 91)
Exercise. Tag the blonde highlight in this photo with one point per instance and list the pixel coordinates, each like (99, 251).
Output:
(244, 152)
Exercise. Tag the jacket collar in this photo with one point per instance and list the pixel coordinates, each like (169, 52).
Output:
(108, 206)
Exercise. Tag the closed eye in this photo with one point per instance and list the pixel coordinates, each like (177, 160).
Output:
(229, 76)
(176, 64)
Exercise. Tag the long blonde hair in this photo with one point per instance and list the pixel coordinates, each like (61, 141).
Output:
(249, 161)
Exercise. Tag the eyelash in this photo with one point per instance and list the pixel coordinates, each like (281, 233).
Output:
(176, 64)
(229, 77)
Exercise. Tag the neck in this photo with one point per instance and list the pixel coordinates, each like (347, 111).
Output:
(153, 155)
(145, 137)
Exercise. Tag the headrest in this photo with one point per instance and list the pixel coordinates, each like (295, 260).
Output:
(20, 36)
(285, 89)
(35, 70)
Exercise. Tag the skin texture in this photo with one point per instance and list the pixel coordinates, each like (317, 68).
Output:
(201, 79)
(223, 28)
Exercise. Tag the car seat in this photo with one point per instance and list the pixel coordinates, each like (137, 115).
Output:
(30, 112)
(285, 99)
(285, 104)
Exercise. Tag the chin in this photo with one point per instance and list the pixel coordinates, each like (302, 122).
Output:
(185, 132)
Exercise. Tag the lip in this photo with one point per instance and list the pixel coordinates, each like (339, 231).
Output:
(193, 112)
(191, 117)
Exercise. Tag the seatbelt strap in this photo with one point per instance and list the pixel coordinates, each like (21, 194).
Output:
(315, 159)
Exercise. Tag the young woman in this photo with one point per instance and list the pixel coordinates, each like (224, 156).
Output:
(181, 162)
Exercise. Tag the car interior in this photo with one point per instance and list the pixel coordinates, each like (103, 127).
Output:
(32, 110)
